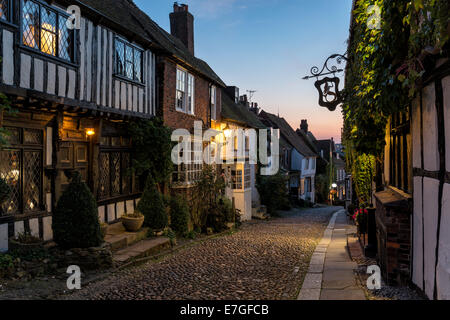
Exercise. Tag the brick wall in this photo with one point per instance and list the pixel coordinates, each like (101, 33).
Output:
(167, 89)
(393, 216)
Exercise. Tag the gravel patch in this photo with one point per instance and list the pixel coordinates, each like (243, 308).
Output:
(265, 260)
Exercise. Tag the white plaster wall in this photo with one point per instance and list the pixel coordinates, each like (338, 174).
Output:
(417, 263)
(446, 92)
(416, 138)
(130, 206)
(430, 132)
(8, 57)
(430, 212)
(19, 228)
(34, 227)
(3, 237)
(120, 209)
(111, 212)
(443, 270)
(101, 214)
(243, 202)
(48, 230)
(25, 70)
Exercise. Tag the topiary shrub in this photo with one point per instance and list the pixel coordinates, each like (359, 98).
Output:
(273, 192)
(152, 207)
(179, 215)
(75, 220)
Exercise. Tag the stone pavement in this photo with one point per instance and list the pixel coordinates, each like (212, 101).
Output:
(330, 275)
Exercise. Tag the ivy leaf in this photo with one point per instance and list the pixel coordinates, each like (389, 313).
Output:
(401, 78)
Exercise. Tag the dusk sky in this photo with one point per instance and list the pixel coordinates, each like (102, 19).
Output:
(268, 46)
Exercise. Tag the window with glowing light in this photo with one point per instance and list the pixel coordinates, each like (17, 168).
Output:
(189, 173)
(45, 29)
(5, 10)
(21, 167)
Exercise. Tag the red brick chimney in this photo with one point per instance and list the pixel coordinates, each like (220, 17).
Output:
(182, 25)
(304, 126)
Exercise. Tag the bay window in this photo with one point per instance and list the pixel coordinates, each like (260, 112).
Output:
(189, 173)
(45, 29)
(185, 92)
(128, 61)
(240, 176)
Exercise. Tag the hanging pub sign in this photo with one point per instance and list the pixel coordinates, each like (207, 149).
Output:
(329, 94)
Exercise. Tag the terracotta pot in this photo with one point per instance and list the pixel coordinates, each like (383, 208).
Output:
(132, 224)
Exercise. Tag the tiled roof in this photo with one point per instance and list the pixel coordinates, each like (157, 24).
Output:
(289, 133)
(126, 13)
(239, 113)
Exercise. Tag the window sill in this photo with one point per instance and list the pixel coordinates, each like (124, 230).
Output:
(8, 24)
(184, 112)
(392, 197)
(48, 56)
(135, 82)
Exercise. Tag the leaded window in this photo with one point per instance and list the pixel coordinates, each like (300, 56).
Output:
(5, 10)
(21, 167)
(128, 61)
(45, 29)
(116, 178)
(400, 166)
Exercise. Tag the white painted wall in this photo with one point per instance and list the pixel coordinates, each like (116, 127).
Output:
(426, 197)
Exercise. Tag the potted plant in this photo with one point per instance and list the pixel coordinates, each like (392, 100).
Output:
(25, 243)
(360, 217)
(133, 221)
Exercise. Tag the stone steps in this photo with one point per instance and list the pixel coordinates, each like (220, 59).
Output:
(141, 249)
(119, 238)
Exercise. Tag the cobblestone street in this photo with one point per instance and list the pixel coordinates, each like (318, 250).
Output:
(264, 260)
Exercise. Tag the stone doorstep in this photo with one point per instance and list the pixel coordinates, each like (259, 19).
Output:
(142, 249)
(119, 238)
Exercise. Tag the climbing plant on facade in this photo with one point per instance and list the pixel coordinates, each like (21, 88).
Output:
(152, 149)
(386, 63)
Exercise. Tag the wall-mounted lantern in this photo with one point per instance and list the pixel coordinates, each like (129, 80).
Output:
(329, 94)
(90, 132)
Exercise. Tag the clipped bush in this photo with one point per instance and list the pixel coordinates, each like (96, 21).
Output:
(179, 215)
(273, 192)
(75, 220)
(152, 207)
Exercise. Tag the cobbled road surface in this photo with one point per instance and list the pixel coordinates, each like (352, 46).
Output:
(264, 260)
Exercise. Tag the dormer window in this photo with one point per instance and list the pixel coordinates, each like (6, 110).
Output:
(45, 29)
(5, 10)
(128, 61)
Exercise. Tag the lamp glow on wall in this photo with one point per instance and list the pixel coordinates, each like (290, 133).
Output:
(90, 132)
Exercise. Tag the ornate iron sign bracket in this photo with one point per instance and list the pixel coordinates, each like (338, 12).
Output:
(329, 94)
